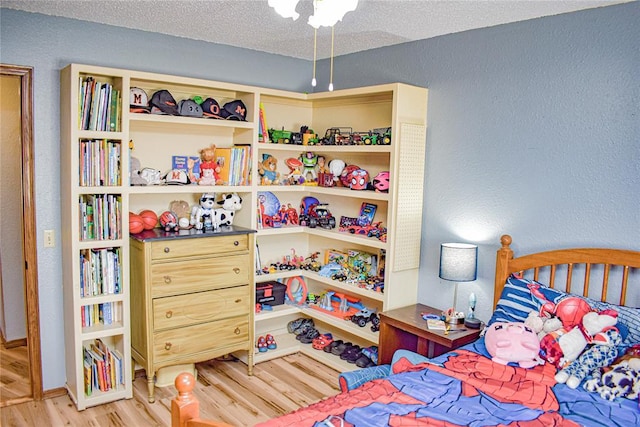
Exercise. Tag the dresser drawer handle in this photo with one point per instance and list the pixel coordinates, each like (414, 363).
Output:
(167, 346)
(169, 314)
(236, 243)
(167, 250)
(236, 270)
(237, 331)
(167, 279)
(238, 300)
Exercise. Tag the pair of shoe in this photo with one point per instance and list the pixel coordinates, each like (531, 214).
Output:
(308, 335)
(337, 347)
(300, 325)
(266, 343)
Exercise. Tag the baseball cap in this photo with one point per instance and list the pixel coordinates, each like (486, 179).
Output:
(177, 177)
(189, 108)
(211, 108)
(234, 110)
(138, 101)
(162, 102)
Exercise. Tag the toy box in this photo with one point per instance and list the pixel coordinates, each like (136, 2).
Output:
(270, 293)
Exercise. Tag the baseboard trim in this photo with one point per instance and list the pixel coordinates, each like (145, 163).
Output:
(54, 392)
(22, 342)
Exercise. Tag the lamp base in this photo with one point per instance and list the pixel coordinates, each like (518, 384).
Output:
(472, 323)
(454, 320)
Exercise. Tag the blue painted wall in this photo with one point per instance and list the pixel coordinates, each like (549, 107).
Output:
(533, 129)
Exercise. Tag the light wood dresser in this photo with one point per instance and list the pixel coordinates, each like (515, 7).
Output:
(192, 297)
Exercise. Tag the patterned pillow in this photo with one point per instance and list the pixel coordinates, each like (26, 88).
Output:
(516, 301)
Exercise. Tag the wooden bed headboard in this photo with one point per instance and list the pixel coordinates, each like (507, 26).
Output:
(610, 264)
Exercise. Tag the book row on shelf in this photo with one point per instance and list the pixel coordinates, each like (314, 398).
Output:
(100, 217)
(99, 162)
(100, 272)
(103, 368)
(229, 165)
(106, 314)
(99, 106)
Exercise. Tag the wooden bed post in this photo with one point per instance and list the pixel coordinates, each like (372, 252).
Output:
(504, 255)
(185, 408)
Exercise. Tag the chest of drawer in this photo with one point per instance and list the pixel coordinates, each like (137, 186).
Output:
(172, 249)
(187, 276)
(205, 337)
(190, 309)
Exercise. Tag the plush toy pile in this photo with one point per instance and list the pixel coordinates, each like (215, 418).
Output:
(580, 342)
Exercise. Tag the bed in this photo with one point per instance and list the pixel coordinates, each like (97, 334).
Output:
(465, 387)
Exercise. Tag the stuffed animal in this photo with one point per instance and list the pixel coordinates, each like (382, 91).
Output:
(224, 215)
(134, 175)
(209, 168)
(622, 380)
(542, 324)
(600, 354)
(202, 214)
(267, 170)
(562, 347)
(512, 342)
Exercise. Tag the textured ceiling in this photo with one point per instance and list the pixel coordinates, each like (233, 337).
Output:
(254, 25)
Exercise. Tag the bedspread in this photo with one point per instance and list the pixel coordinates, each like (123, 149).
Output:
(465, 388)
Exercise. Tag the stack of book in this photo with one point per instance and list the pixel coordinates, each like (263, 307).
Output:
(99, 106)
(100, 272)
(103, 369)
(100, 217)
(99, 163)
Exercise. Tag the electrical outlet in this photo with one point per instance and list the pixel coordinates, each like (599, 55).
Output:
(49, 239)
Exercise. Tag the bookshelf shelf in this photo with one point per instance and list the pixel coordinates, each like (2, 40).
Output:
(155, 140)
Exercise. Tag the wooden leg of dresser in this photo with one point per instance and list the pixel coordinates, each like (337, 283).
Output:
(151, 387)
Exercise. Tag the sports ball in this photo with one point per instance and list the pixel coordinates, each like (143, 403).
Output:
(149, 218)
(136, 224)
(571, 311)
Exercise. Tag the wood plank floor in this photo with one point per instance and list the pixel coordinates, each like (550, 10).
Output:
(14, 373)
(225, 391)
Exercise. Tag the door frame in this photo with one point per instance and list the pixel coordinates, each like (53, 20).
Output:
(29, 211)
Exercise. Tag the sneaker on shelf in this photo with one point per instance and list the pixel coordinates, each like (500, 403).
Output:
(300, 325)
(371, 353)
(271, 342)
(262, 344)
(309, 336)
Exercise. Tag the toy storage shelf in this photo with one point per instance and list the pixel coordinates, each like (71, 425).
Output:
(153, 140)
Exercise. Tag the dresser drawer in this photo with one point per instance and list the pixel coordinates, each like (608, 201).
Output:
(176, 343)
(172, 278)
(171, 249)
(190, 309)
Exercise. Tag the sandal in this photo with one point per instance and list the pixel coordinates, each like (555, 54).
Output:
(337, 350)
(321, 342)
(262, 345)
(364, 362)
(330, 347)
(350, 352)
(271, 342)
(309, 336)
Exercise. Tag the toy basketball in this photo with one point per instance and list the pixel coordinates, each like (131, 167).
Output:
(149, 218)
(136, 224)
(571, 311)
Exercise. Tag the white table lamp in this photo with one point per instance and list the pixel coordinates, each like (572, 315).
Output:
(458, 263)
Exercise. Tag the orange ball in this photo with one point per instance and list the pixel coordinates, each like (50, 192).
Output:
(149, 218)
(136, 224)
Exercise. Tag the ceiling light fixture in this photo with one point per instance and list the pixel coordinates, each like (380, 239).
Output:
(326, 13)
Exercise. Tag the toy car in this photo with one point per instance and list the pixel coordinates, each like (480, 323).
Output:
(320, 216)
(280, 136)
(362, 317)
(337, 136)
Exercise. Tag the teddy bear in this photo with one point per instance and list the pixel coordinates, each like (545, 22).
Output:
(621, 379)
(267, 170)
(209, 169)
(602, 353)
(562, 347)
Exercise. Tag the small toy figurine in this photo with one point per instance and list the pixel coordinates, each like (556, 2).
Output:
(224, 215)
(267, 170)
(209, 169)
(359, 179)
(202, 214)
(336, 166)
(295, 171)
(309, 161)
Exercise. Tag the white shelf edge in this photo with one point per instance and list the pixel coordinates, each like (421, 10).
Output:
(189, 121)
(187, 189)
(326, 148)
(344, 325)
(277, 311)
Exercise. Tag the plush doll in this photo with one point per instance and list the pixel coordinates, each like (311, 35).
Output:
(512, 342)
(267, 170)
(224, 215)
(622, 379)
(134, 175)
(542, 324)
(602, 353)
(209, 169)
(202, 214)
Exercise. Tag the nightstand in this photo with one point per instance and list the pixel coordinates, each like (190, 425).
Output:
(404, 328)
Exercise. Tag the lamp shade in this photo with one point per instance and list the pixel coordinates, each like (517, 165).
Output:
(458, 262)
